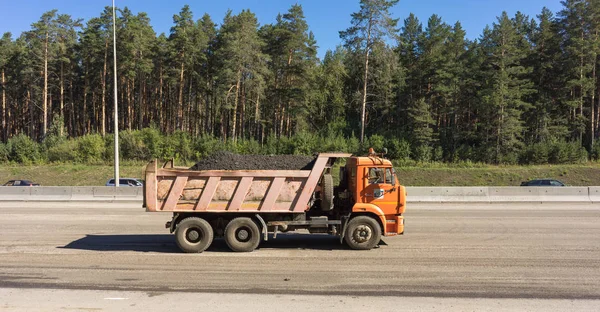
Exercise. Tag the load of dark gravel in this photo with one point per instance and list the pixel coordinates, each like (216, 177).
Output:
(230, 161)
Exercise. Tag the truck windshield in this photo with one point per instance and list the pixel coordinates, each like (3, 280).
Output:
(388, 176)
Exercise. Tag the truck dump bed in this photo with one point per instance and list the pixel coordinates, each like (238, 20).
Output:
(175, 189)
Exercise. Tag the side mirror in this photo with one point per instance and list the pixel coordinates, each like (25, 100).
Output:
(385, 150)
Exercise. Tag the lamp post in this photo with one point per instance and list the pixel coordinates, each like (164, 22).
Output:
(116, 104)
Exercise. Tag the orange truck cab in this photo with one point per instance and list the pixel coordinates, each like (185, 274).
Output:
(375, 191)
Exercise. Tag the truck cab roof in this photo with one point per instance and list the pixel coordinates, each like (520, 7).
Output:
(369, 161)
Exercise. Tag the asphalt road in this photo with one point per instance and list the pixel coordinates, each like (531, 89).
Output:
(509, 254)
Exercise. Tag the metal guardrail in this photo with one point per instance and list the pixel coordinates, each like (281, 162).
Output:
(415, 194)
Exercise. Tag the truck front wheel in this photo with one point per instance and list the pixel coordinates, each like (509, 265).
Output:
(363, 233)
(242, 234)
(194, 235)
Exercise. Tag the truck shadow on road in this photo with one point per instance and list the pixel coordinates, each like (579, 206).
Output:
(141, 243)
(165, 243)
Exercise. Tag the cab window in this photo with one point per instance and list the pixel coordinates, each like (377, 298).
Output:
(375, 175)
(381, 176)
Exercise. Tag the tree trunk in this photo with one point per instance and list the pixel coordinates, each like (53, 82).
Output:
(281, 120)
(277, 109)
(366, 76)
(159, 105)
(581, 84)
(84, 116)
(129, 100)
(180, 101)
(235, 104)
(257, 115)
(103, 108)
(140, 107)
(123, 95)
(189, 119)
(243, 111)
(592, 104)
(49, 104)
(597, 130)
(62, 97)
(4, 129)
(45, 91)
(71, 130)
(223, 129)
(208, 107)
(170, 113)
(94, 113)
(29, 104)
(143, 106)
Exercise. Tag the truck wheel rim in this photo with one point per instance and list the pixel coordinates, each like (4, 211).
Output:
(193, 235)
(243, 235)
(362, 234)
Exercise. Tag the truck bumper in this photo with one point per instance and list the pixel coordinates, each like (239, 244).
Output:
(394, 225)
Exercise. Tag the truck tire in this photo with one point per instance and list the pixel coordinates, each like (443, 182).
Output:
(194, 235)
(363, 233)
(327, 193)
(242, 235)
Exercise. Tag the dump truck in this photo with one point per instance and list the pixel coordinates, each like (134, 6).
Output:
(247, 206)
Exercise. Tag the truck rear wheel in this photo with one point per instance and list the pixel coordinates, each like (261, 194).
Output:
(194, 235)
(242, 235)
(363, 233)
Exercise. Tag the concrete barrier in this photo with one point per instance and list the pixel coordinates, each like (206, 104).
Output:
(70, 193)
(51, 193)
(82, 193)
(539, 194)
(594, 194)
(128, 192)
(415, 194)
(501, 194)
(117, 193)
(104, 192)
(447, 194)
(15, 193)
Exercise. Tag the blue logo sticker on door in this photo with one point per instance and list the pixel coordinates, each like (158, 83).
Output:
(378, 193)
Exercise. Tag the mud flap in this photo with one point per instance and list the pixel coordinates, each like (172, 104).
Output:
(344, 227)
(265, 230)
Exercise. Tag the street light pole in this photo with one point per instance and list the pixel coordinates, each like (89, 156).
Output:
(116, 104)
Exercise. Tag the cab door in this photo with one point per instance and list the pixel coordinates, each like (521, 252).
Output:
(380, 189)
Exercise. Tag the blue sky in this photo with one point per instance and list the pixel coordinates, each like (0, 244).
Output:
(325, 17)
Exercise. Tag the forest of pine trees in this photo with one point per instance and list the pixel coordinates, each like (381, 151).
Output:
(526, 89)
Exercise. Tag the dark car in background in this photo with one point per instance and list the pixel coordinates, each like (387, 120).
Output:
(543, 182)
(125, 182)
(20, 183)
